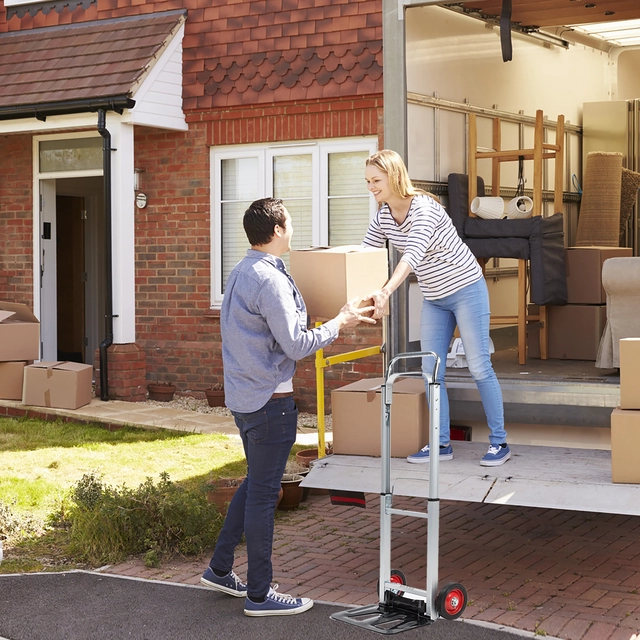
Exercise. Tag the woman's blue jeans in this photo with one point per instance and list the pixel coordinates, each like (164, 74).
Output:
(267, 436)
(468, 308)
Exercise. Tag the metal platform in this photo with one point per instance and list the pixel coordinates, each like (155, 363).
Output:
(547, 477)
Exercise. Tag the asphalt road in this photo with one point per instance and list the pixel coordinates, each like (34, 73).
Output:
(92, 606)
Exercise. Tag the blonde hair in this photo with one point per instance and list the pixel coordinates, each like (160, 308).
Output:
(391, 163)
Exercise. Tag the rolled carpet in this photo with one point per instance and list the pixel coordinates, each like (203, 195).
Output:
(599, 219)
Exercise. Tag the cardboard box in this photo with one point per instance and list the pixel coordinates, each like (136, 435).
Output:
(61, 385)
(625, 446)
(11, 378)
(330, 277)
(584, 272)
(19, 333)
(357, 415)
(574, 332)
(630, 373)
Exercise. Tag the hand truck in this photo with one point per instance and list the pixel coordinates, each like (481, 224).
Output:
(395, 612)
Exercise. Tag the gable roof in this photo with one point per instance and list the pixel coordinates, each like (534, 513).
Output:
(74, 67)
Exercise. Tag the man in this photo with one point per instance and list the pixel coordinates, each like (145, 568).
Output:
(263, 322)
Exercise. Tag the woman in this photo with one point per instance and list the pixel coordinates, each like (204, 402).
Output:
(453, 286)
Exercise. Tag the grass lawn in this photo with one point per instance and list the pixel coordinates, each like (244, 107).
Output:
(40, 461)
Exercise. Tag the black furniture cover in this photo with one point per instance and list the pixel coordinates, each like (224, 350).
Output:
(537, 239)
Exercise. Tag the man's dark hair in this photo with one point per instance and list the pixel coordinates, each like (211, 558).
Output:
(260, 219)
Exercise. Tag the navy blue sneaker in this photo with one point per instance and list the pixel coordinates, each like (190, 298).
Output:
(230, 583)
(277, 604)
(498, 454)
(446, 453)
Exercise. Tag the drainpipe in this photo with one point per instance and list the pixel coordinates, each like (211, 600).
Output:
(108, 310)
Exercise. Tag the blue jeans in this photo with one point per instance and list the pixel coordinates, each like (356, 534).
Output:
(469, 309)
(267, 436)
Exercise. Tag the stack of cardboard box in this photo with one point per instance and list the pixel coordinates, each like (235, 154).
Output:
(63, 385)
(625, 420)
(575, 329)
(19, 345)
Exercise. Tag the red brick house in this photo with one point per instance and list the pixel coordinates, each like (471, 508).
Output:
(133, 135)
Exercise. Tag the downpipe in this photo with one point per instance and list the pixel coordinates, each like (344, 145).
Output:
(108, 315)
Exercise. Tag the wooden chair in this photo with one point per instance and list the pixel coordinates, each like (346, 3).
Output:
(540, 151)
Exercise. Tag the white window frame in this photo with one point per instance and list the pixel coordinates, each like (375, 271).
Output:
(319, 150)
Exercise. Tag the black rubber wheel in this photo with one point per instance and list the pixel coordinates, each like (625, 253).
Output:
(451, 601)
(397, 577)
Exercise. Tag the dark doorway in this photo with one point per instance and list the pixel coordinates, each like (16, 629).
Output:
(71, 277)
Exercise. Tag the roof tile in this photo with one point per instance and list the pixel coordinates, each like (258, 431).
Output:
(119, 52)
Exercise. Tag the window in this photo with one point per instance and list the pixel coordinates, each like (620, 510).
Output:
(321, 183)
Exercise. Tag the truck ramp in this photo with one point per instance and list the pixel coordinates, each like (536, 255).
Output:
(535, 476)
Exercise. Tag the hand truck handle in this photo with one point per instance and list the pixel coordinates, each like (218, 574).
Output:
(416, 354)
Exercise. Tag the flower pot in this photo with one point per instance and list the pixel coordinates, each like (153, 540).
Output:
(161, 391)
(292, 491)
(306, 456)
(222, 492)
(215, 397)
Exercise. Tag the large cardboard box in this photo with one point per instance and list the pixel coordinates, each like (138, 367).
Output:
(584, 272)
(19, 333)
(11, 378)
(625, 446)
(357, 415)
(630, 373)
(330, 277)
(60, 385)
(574, 332)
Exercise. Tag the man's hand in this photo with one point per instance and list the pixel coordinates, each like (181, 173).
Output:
(352, 314)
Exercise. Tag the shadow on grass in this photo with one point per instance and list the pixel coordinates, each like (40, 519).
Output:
(29, 434)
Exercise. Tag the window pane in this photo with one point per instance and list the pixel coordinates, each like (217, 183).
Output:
(235, 239)
(293, 183)
(240, 179)
(348, 220)
(239, 188)
(348, 198)
(70, 154)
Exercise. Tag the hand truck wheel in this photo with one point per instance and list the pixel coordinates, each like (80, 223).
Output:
(397, 577)
(451, 601)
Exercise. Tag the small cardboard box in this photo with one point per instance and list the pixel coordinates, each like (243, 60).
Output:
(330, 277)
(625, 446)
(357, 415)
(584, 272)
(574, 332)
(19, 333)
(60, 385)
(11, 378)
(630, 373)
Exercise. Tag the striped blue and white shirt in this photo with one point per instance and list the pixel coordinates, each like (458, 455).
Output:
(430, 244)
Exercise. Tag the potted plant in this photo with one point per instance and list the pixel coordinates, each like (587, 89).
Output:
(306, 456)
(222, 491)
(215, 395)
(161, 391)
(291, 491)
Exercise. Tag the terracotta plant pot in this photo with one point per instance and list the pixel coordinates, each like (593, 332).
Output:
(222, 492)
(292, 491)
(306, 456)
(215, 397)
(161, 391)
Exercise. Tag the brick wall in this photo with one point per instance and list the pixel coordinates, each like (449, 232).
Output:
(16, 219)
(261, 71)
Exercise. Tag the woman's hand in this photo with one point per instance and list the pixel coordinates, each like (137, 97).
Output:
(380, 299)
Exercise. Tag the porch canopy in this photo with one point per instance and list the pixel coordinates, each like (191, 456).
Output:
(110, 64)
